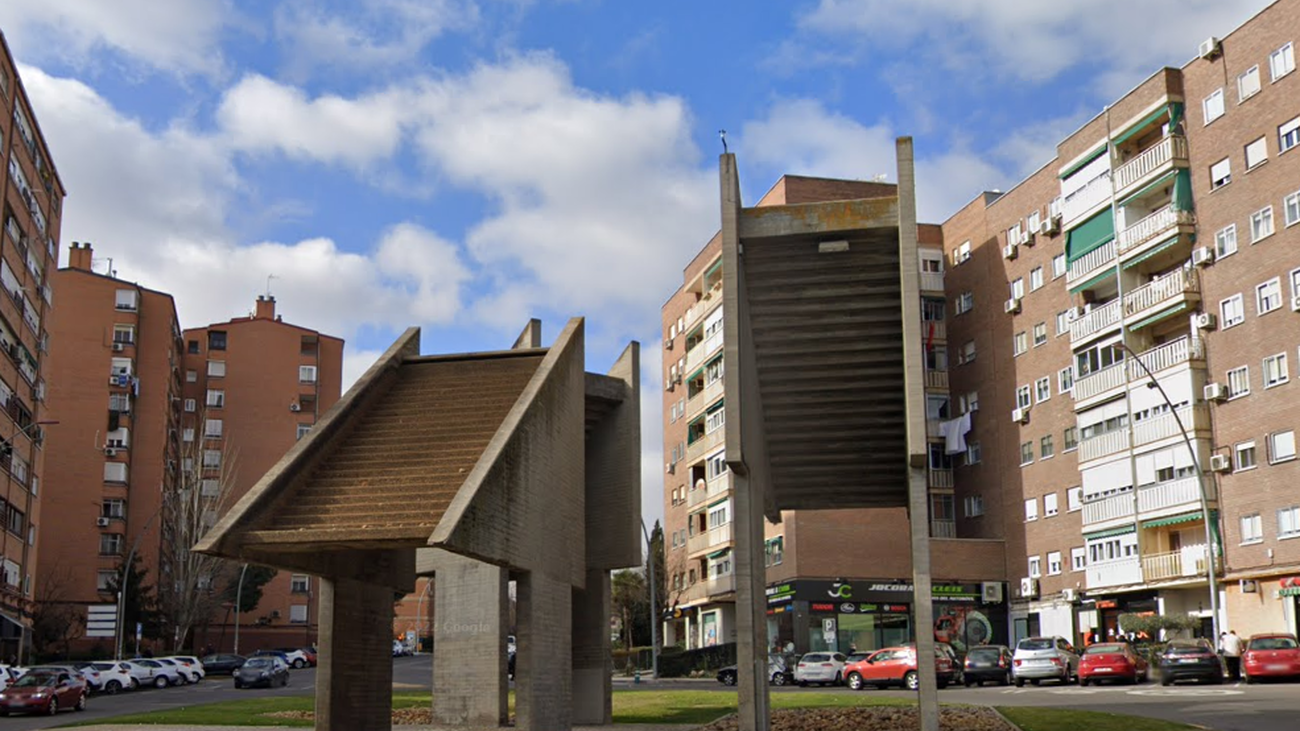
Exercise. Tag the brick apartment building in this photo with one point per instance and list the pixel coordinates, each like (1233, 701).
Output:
(32, 197)
(1156, 240)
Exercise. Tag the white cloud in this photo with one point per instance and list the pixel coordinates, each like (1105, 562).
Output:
(355, 363)
(1036, 41)
(652, 434)
(175, 35)
(427, 267)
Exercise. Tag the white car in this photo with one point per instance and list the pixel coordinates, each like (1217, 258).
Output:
(1044, 658)
(8, 674)
(116, 676)
(820, 667)
(190, 667)
(296, 658)
(151, 672)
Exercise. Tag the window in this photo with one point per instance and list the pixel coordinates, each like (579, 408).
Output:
(1035, 567)
(1026, 453)
(192, 347)
(212, 428)
(297, 614)
(973, 506)
(110, 544)
(1252, 529)
(1074, 499)
(302, 430)
(1248, 84)
(105, 580)
(1281, 446)
(1062, 323)
(115, 472)
(1268, 296)
(306, 374)
(1033, 221)
(1281, 62)
(126, 299)
(1071, 438)
(1035, 279)
(1225, 241)
(962, 254)
(774, 551)
(1212, 106)
(936, 358)
(1043, 389)
(1238, 382)
(1220, 174)
(1065, 380)
(210, 487)
(1020, 344)
(1022, 397)
(967, 354)
(965, 303)
(1288, 135)
(216, 340)
(972, 453)
(189, 405)
(1261, 224)
(300, 583)
(1275, 371)
(1040, 334)
(216, 398)
(716, 465)
(1288, 522)
(1291, 208)
(113, 508)
(1050, 505)
(1018, 288)
(1256, 153)
(123, 334)
(1045, 451)
(1244, 456)
(1054, 563)
(187, 434)
(969, 402)
(1231, 312)
(191, 376)
(1078, 559)
(211, 459)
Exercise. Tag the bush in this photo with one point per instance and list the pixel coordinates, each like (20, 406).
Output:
(678, 663)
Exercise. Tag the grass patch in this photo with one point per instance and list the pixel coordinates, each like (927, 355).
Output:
(706, 706)
(1064, 719)
(251, 712)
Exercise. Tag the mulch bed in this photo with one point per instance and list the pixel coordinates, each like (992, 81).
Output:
(401, 716)
(874, 718)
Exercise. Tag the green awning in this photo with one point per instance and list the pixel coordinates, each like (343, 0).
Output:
(716, 503)
(1174, 520)
(1169, 312)
(1093, 281)
(1162, 180)
(1082, 162)
(1290, 591)
(1172, 239)
(719, 554)
(1089, 235)
(714, 407)
(1141, 126)
(1182, 198)
(1109, 533)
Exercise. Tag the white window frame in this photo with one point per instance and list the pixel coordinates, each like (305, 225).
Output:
(216, 369)
(1059, 266)
(1024, 397)
(1026, 455)
(1256, 153)
(1238, 380)
(1040, 328)
(1225, 241)
(1078, 558)
(1035, 566)
(1065, 380)
(306, 374)
(1275, 370)
(1043, 389)
(1252, 529)
(1291, 209)
(1232, 311)
(1018, 288)
(1281, 446)
(1268, 296)
(973, 506)
(1288, 522)
(1035, 279)
(1288, 135)
(216, 398)
(1261, 224)
(1248, 83)
(962, 254)
(1212, 106)
(1020, 343)
(1054, 563)
(1220, 173)
(1240, 448)
(189, 405)
(1074, 499)
(1281, 62)
(1051, 506)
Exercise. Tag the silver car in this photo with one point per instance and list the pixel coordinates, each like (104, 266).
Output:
(820, 667)
(1044, 658)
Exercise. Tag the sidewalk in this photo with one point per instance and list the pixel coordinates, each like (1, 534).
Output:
(620, 727)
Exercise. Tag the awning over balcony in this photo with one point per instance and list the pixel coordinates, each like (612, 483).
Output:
(1109, 533)
(1174, 110)
(719, 554)
(1089, 235)
(1173, 520)
(1083, 161)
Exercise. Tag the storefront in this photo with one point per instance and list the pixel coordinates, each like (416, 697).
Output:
(809, 615)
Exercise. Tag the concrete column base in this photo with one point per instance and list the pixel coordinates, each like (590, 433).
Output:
(543, 666)
(354, 681)
(593, 665)
(471, 607)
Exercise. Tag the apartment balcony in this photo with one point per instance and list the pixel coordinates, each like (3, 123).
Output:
(1106, 509)
(931, 281)
(1146, 431)
(711, 299)
(1165, 498)
(1091, 264)
(706, 396)
(1157, 226)
(1150, 163)
(710, 540)
(1095, 322)
(713, 489)
(1114, 573)
(1085, 199)
(1160, 358)
(1103, 445)
(1186, 562)
(697, 449)
(932, 429)
(940, 478)
(696, 356)
(936, 379)
(943, 529)
(694, 594)
(1181, 286)
(936, 330)
(725, 584)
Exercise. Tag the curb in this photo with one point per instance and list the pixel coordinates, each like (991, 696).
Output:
(1004, 718)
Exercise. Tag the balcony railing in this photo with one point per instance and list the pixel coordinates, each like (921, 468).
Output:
(943, 529)
(1115, 573)
(1111, 507)
(1150, 160)
(695, 356)
(934, 330)
(1103, 445)
(709, 539)
(1166, 425)
(1156, 359)
(1172, 494)
(1176, 284)
(932, 428)
(1100, 318)
(1152, 227)
(705, 444)
(940, 478)
(1099, 382)
(715, 488)
(932, 281)
(706, 396)
(1091, 263)
(1187, 561)
(724, 584)
(936, 379)
(1092, 194)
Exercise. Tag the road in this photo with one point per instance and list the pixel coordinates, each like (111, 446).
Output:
(1229, 707)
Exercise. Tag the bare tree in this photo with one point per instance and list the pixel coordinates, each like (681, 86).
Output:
(202, 490)
(56, 619)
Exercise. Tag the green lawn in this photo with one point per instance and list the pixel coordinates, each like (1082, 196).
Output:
(1060, 719)
(703, 706)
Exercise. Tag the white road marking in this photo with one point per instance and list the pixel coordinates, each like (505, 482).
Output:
(1187, 692)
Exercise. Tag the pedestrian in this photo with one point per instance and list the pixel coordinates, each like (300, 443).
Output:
(1232, 654)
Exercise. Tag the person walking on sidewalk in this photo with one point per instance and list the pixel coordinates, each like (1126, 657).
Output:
(1232, 654)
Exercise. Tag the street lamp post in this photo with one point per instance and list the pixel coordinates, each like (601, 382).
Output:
(419, 614)
(654, 619)
(124, 585)
(239, 599)
(1210, 546)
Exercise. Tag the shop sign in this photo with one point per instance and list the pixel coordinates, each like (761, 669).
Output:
(1106, 604)
(856, 592)
(822, 607)
(1290, 586)
(779, 593)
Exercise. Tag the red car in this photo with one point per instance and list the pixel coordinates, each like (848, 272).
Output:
(38, 692)
(1111, 661)
(1271, 656)
(896, 666)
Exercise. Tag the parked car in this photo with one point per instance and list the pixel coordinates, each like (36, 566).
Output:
(148, 671)
(182, 673)
(824, 668)
(1190, 660)
(116, 676)
(1112, 661)
(222, 664)
(267, 670)
(987, 662)
(1271, 656)
(311, 655)
(8, 674)
(44, 692)
(897, 666)
(296, 657)
(87, 673)
(1044, 658)
(192, 665)
(778, 671)
(951, 653)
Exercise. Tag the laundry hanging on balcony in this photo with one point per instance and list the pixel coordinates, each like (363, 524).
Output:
(954, 433)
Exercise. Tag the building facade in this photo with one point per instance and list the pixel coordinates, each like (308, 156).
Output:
(32, 197)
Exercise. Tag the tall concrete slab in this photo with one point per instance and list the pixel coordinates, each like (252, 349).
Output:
(354, 680)
(471, 608)
(544, 683)
(593, 663)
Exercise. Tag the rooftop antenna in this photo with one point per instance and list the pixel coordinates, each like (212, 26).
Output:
(722, 134)
(269, 277)
(111, 271)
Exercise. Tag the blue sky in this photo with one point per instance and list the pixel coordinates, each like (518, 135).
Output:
(463, 165)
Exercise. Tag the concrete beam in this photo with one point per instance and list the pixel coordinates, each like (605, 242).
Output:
(392, 568)
(833, 217)
(612, 472)
(354, 681)
(530, 336)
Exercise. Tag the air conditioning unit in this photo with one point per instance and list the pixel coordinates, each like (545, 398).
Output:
(275, 614)
(1295, 304)
(119, 347)
(1220, 463)
(1205, 320)
(1069, 595)
(668, 344)
(1202, 256)
(669, 467)
(1050, 226)
(295, 406)
(101, 522)
(1009, 251)
(1013, 305)
(1209, 48)
(991, 592)
(1028, 588)
(1027, 237)
(1020, 416)
(1215, 392)
(1073, 314)
(110, 452)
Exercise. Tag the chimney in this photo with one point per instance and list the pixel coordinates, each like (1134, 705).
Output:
(79, 256)
(265, 308)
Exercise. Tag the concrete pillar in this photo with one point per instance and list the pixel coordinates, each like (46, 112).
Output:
(472, 608)
(543, 669)
(592, 663)
(751, 609)
(354, 681)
